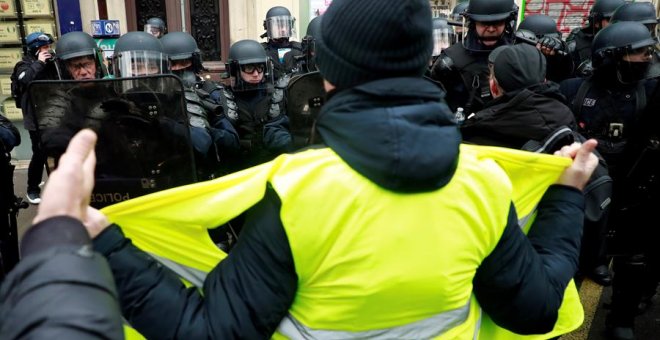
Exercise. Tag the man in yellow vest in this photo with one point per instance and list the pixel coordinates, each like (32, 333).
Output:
(388, 230)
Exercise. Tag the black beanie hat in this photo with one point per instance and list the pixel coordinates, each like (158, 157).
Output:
(365, 40)
(519, 66)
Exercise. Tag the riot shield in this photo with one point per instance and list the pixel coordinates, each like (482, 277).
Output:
(305, 95)
(143, 137)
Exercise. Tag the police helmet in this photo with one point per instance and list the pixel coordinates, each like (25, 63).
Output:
(155, 27)
(180, 46)
(459, 9)
(642, 12)
(314, 27)
(74, 45)
(138, 54)
(37, 39)
(248, 53)
(309, 46)
(618, 39)
(491, 10)
(603, 9)
(279, 23)
(541, 25)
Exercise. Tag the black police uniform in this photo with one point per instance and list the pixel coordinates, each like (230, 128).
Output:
(212, 135)
(463, 67)
(614, 114)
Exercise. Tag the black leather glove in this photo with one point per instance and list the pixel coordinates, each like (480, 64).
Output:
(553, 43)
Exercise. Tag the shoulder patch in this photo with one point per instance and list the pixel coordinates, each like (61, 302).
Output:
(589, 102)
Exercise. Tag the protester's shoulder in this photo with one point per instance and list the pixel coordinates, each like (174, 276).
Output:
(569, 87)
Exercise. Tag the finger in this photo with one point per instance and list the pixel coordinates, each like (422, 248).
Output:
(79, 148)
(585, 151)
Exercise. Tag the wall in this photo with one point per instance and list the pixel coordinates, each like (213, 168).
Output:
(567, 13)
(88, 11)
(246, 17)
(116, 11)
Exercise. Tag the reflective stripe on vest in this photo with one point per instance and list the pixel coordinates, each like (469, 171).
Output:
(424, 329)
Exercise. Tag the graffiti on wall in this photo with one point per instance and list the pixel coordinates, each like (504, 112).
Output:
(568, 14)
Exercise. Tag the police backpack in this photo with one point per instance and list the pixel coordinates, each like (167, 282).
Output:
(598, 191)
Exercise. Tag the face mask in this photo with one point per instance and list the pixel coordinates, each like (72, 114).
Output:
(632, 72)
(188, 78)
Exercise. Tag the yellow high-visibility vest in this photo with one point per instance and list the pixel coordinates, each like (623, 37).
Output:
(339, 294)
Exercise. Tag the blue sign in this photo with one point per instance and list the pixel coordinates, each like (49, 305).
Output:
(69, 15)
(105, 28)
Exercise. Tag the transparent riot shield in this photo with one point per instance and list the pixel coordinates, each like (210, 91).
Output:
(143, 136)
(305, 95)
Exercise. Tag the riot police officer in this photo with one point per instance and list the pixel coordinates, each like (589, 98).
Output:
(69, 109)
(549, 42)
(254, 106)
(608, 106)
(79, 57)
(211, 133)
(138, 54)
(156, 27)
(642, 12)
(580, 39)
(304, 63)
(280, 26)
(463, 67)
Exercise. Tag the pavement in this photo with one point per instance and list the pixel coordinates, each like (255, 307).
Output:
(595, 298)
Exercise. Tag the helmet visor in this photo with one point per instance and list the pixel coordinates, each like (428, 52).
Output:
(156, 31)
(280, 27)
(139, 63)
(442, 38)
(249, 77)
(637, 64)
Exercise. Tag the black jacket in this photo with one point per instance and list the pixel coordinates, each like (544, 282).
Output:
(28, 70)
(399, 134)
(60, 289)
(516, 118)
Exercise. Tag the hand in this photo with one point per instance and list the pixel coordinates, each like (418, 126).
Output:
(584, 163)
(95, 222)
(549, 45)
(69, 187)
(44, 56)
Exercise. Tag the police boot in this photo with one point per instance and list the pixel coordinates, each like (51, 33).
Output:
(626, 295)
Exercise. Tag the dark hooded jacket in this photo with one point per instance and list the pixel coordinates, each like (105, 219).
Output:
(518, 117)
(399, 134)
(60, 289)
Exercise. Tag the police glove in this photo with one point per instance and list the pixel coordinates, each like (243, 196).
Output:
(551, 44)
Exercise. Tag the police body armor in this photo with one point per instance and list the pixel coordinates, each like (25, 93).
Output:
(474, 73)
(609, 117)
(195, 108)
(250, 117)
(579, 47)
